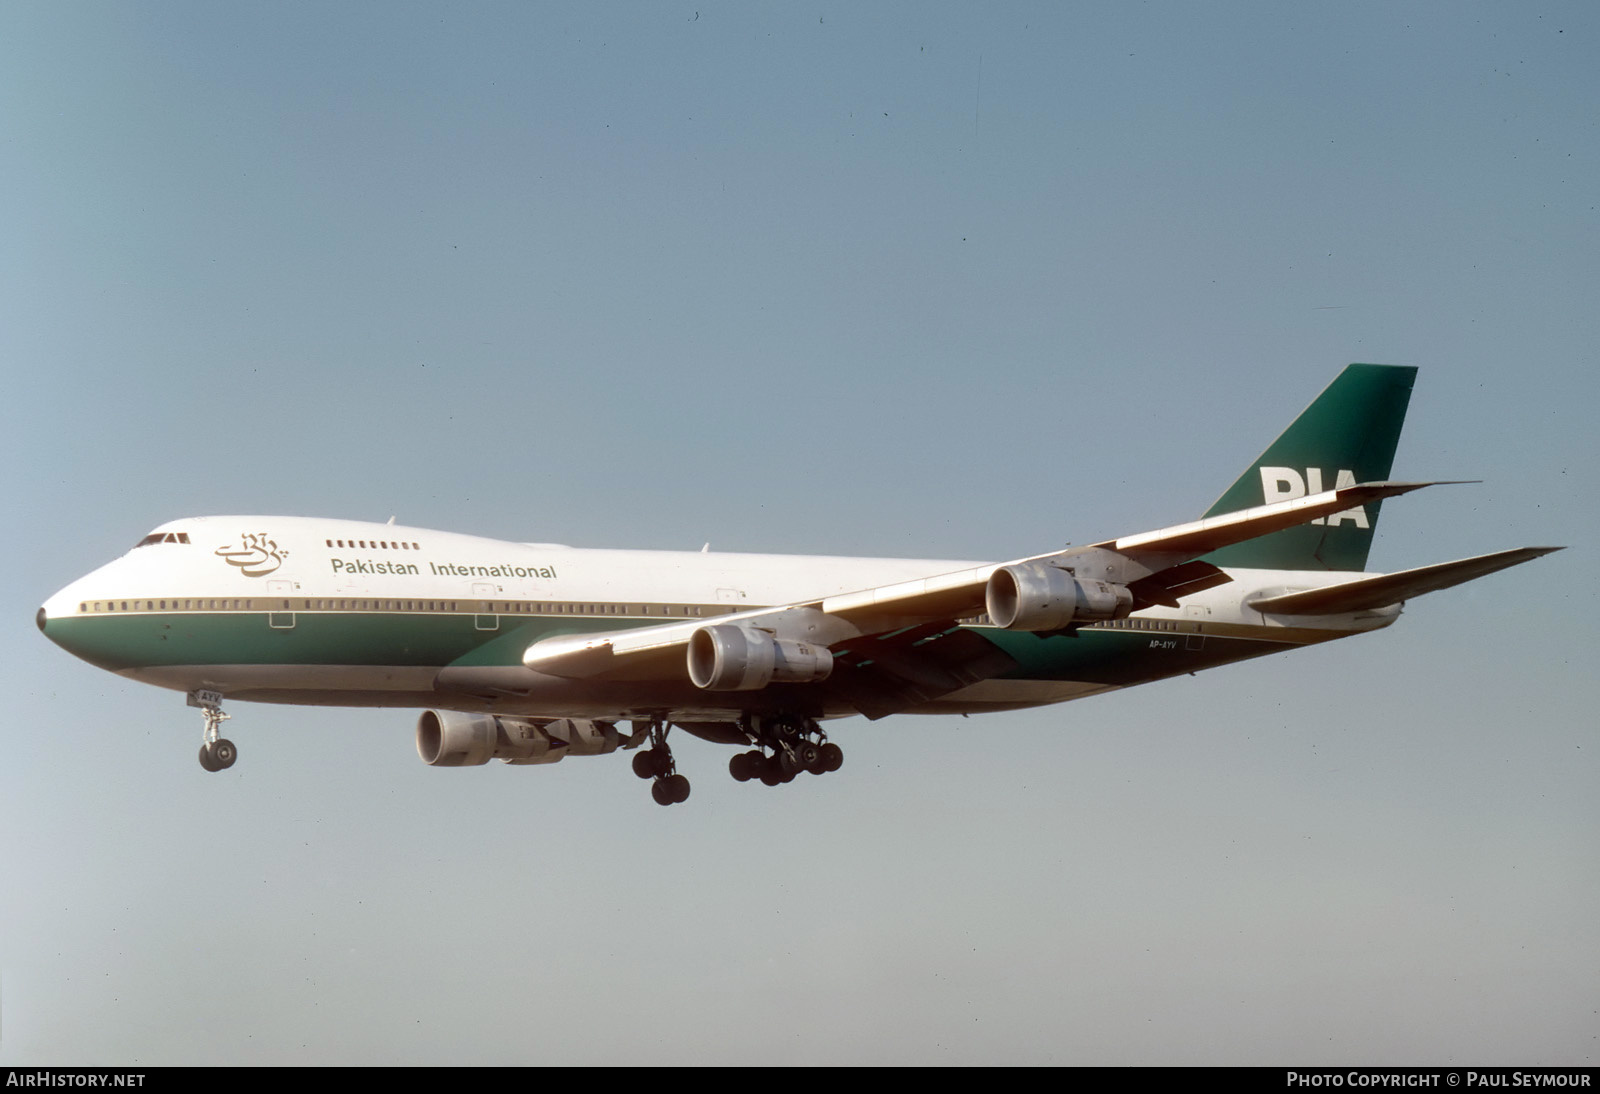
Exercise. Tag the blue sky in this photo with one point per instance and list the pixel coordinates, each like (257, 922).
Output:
(886, 279)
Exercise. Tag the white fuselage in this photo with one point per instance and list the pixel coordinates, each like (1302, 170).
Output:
(296, 609)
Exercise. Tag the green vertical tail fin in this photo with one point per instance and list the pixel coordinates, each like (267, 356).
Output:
(1347, 435)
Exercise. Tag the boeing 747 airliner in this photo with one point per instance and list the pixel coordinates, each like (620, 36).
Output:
(533, 652)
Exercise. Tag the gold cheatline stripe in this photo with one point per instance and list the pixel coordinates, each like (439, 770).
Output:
(334, 605)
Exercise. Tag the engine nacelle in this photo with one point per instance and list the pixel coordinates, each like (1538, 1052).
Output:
(581, 737)
(1036, 596)
(729, 657)
(448, 738)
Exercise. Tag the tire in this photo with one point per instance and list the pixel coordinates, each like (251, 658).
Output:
(832, 757)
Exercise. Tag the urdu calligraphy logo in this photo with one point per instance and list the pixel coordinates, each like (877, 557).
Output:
(257, 555)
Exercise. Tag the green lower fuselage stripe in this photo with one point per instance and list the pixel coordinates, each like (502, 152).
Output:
(433, 640)
(120, 642)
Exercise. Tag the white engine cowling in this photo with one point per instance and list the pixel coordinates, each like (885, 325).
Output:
(729, 657)
(448, 738)
(583, 737)
(1036, 596)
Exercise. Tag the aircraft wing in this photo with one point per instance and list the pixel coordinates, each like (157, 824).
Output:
(1377, 592)
(884, 674)
(1157, 567)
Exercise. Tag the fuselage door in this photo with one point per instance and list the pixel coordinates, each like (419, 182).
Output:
(280, 612)
(486, 619)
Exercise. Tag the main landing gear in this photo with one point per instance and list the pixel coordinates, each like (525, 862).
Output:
(786, 745)
(656, 763)
(797, 744)
(217, 753)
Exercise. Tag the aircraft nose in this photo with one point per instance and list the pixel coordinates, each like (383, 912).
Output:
(49, 615)
(61, 622)
(54, 618)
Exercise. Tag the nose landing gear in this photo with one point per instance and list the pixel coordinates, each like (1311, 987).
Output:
(217, 753)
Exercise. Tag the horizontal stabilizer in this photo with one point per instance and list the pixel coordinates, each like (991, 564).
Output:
(1210, 533)
(1385, 589)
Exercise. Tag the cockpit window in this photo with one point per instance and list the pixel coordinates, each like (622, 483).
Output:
(162, 537)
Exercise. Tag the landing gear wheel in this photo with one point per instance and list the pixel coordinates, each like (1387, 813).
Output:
(653, 763)
(216, 752)
(808, 754)
(670, 790)
(656, 763)
(832, 757)
(219, 755)
(786, 745)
